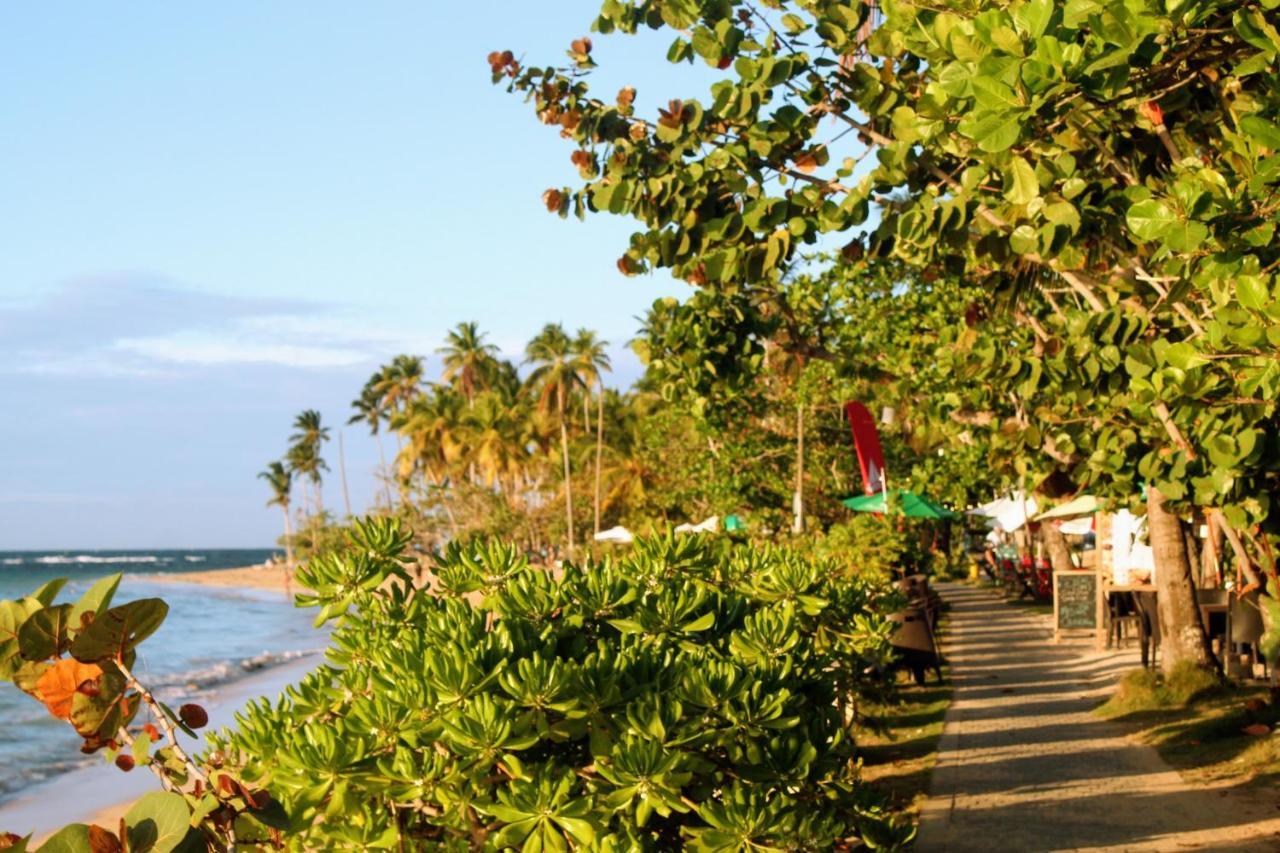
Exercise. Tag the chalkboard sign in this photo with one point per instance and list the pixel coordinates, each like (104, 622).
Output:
(1075, 601)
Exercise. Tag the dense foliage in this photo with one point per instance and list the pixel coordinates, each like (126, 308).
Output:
(686, 694)
(1104, 173)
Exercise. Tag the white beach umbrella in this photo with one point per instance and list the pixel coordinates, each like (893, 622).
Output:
(615, 534)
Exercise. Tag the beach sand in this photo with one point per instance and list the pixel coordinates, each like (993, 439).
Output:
(101, 794)
(246, 577)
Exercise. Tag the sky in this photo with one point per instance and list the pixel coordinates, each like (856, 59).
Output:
(217, 215)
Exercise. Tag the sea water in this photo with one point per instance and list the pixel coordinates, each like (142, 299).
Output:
(211, 637)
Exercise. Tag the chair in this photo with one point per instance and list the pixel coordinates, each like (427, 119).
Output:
(1148, 626)
(1246, 625)
(1124, 619)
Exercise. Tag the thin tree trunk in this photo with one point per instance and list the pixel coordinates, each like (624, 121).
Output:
(382, 470)
(288, 551)
(1056, 544)
(564, 448)
(342, 472)
(599, 450)
(797, 500)
(444, 502)
(1183, 637)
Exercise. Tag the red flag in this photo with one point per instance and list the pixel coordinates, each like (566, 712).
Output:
(866, 441)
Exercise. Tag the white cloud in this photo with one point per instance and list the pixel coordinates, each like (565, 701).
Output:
(236, 348)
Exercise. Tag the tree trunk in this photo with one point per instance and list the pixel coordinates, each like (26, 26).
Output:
(1183, 637)
(797, 500)
(382, 470)
(599, 451)
(288, 551)
(288, 538)
(1056, 544)
(342, 472)
(564, 451)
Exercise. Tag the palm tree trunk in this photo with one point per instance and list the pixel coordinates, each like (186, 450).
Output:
(382, 469)
(599, 451)
(1183, 637)
(342, 472)
(288, 550)
(797, 501)
(564, 451)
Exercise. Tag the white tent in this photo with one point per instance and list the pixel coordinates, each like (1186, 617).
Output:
(1077, 526)
(1008, 513)
(615, 534)
(1074, 508)
(707, 525)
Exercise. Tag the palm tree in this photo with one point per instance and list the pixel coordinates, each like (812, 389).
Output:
(592, 359)
(469, 362)
(554, 378)
(304, 454)
(431, 425)
(280, 479)
(369, 409)
(495, 440)
(401, 381)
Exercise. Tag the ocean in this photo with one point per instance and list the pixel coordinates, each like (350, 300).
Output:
(213, 636)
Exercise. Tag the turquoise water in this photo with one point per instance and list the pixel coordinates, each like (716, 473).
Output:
(212, 637)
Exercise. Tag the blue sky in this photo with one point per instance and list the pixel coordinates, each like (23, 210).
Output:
(220, 214)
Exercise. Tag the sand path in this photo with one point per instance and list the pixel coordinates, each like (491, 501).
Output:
(1023, 765)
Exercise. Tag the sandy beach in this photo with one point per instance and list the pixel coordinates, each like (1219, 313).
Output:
(245, 577)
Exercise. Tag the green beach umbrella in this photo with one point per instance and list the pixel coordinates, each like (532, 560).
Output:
(900, 503)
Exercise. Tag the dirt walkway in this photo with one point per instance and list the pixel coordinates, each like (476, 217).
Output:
(1024, 766)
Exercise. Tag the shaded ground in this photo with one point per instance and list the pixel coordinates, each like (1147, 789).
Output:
(1024, 763)
(899, 759)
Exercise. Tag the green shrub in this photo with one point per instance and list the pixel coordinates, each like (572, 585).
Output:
(691, 694)
(1149, 690)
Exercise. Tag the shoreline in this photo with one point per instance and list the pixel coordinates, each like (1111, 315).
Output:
(100, 793)
(270, 578)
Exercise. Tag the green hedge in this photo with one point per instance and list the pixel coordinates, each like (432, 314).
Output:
(691, 694)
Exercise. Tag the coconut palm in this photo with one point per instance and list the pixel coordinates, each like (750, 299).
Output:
(401, 382)
(496, 441)
(469, 362)
(304, 455)
(280, 479)
(592, 359)
(554, 377)
(369, 409)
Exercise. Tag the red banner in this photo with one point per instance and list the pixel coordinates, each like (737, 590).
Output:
(866, 441)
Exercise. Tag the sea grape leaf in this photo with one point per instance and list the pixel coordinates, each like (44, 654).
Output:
(56, 687)
(101, 713)
(116, 631)
(95, 600)
(103, 840)
(158, 822)
(73, 838)
(13, 614)
(44, 634)
(1149, 219)
(49, 591)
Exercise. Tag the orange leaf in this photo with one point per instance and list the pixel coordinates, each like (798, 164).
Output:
(806, 163)
(1257, 730)
(57, 686)
(103, 840)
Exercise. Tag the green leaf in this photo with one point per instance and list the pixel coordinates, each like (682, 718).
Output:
(44, 635)
(157, 822)
(1021, 186)
(993, 132)
(1261, 130)
(119, 629)
(1150, 219)
(991, 94)
(95, 600)
(1032, 18)
(13, 615)
(1252, 292)
(49, 591)
(73, 838)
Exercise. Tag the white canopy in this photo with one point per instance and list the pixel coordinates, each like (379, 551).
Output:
(1008, 513)
(1077, 506)
(707, 525)
(1077, 526)
(615, 534)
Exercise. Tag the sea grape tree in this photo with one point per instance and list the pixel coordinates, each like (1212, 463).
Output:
(1117, 161)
